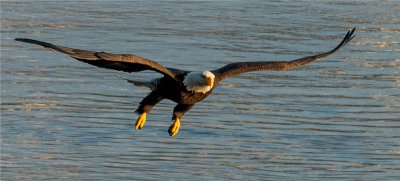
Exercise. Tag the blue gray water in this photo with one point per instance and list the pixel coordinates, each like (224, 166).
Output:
(336, 119)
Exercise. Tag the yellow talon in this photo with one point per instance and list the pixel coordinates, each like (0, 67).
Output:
(174, 128)
(140, 121)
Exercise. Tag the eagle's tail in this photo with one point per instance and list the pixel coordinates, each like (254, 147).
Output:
(148, 84)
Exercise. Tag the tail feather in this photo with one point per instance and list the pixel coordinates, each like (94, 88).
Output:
(138, 83)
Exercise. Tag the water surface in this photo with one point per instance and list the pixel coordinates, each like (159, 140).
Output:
(335, 119)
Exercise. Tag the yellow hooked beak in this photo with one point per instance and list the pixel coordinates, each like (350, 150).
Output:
(210, 82)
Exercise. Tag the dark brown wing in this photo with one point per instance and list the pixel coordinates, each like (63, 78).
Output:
(242, 67)
(121, 62)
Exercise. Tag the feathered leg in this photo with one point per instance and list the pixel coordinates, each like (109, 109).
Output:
(145, 106)
(179, 111)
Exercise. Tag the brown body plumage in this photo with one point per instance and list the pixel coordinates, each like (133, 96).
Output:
(183, 87)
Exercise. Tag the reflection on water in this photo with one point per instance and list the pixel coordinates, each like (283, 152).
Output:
(338, 118)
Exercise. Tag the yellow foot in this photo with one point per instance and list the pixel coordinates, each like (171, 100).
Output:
(140, 121)
(174, 128)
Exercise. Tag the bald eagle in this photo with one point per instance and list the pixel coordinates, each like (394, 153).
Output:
(186, 88)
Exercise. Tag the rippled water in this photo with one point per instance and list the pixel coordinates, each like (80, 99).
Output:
(334, 119)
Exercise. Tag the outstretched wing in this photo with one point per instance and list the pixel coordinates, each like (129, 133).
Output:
(242, 67)
(121, 62)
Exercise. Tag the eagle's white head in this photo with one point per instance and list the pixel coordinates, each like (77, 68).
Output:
(199, 81)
